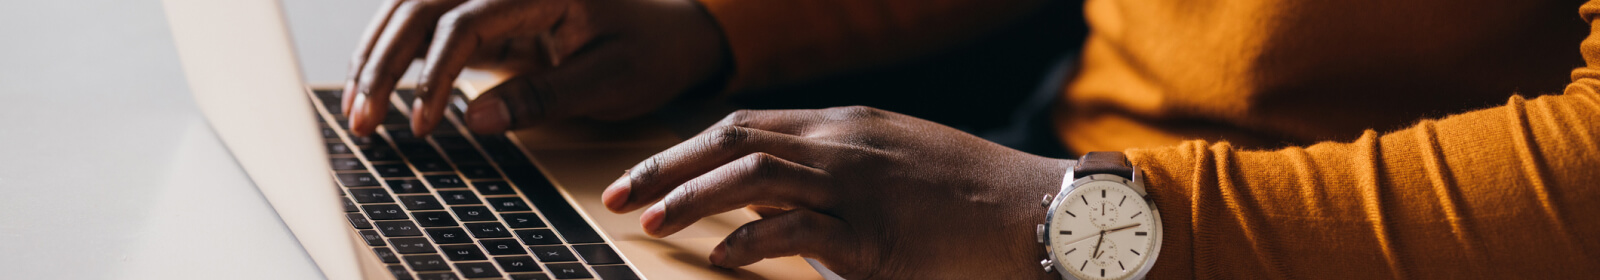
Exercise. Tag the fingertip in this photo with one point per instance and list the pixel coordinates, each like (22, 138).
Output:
(357, 115)
(422, 119)
(349, 97)
(719, 254)
(487, 115)
(616, 196)
(652, 218)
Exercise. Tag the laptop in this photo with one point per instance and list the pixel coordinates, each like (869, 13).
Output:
(452, 205)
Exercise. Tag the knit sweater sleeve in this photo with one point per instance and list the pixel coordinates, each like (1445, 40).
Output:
(1505, 192)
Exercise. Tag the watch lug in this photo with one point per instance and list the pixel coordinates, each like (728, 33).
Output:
(1046, 201)
(1049, 265)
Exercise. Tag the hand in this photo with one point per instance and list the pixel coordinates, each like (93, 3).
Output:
(573, 58)
(869, 193)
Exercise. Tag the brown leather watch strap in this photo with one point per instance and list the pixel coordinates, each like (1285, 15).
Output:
(1114, 163)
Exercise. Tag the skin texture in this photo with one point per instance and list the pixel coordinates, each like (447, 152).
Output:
(569, 58)
(871, 194)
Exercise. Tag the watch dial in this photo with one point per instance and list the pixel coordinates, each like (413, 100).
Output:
(1102, 230)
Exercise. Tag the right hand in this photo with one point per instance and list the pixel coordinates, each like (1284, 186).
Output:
(572, 58)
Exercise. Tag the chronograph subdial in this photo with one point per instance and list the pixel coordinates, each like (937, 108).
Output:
(1103, 214)
(1107, 254)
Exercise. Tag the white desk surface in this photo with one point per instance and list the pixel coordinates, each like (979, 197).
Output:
(108, 170)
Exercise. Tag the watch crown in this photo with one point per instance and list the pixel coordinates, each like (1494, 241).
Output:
(1048, 265)
(1038, 233)
(1045, 202)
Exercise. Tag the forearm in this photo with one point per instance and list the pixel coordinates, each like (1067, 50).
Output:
(1508, 189)
(776, 42)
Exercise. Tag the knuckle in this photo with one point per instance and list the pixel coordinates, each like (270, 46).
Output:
(758, 165)
(856, 112)
(646, 173)
(727, 137)
(737, 118)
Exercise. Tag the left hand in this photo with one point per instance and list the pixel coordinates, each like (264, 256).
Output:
(869, 193)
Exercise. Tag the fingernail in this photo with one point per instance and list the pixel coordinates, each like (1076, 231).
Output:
(422, 119)
(358, 111)
(652, 218)
(719, 253)
(488, 115)
(616, 195)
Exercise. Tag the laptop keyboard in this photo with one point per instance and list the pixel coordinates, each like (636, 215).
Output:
(458, 206)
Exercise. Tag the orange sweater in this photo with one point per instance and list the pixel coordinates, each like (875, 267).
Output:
(1256, 122)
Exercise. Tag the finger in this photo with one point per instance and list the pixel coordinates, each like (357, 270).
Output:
(364, 48)
(797, 232)
(658, 175)
(794, 122)
(766, 211)
(396, 47)
(460, 33)
(578, 85)
(756, 179)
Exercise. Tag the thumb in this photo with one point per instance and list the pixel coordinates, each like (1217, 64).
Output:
(518, 102)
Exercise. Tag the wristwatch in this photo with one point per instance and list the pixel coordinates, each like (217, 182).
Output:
(1102, 225)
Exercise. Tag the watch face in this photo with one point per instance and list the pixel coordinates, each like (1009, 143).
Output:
(1102, 230)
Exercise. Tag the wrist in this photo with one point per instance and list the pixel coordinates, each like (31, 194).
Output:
(1045, 184)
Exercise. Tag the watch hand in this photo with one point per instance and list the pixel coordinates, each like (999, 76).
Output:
(1097, 243)
(1122, 228)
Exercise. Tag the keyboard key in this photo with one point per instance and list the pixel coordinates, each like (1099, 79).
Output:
(416, 150)
(395, 118)
(377, 153)
(568, 270)
(346, 164)
(615, 272)
(493, 187)
(477, 270)
(421, 202)
(478, 171)
(508, 204)
(473, 213)
(327, 132)
(426, 263)
(393, 170)
(359, 221)
(370, 195)
(364, 142)
(413, 245)
(467, 252)
(554, 253)
(459, 197)
(594, 254)
(356, 179)
(517, 264)
(386, 255)
(350, 206)
(466, 155)
(452, 235)
(434, 219)
(523, 220)
(402, 134)
(407, 186)
(431, 165)
(446, 181)
(400, 272)
(451, 142)
(372, 237)
(437, 276)
(338, 149)
(538, 236)
(384, 212)
(500, 247)
(488, 230)
(398, 228)
(530, 276)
